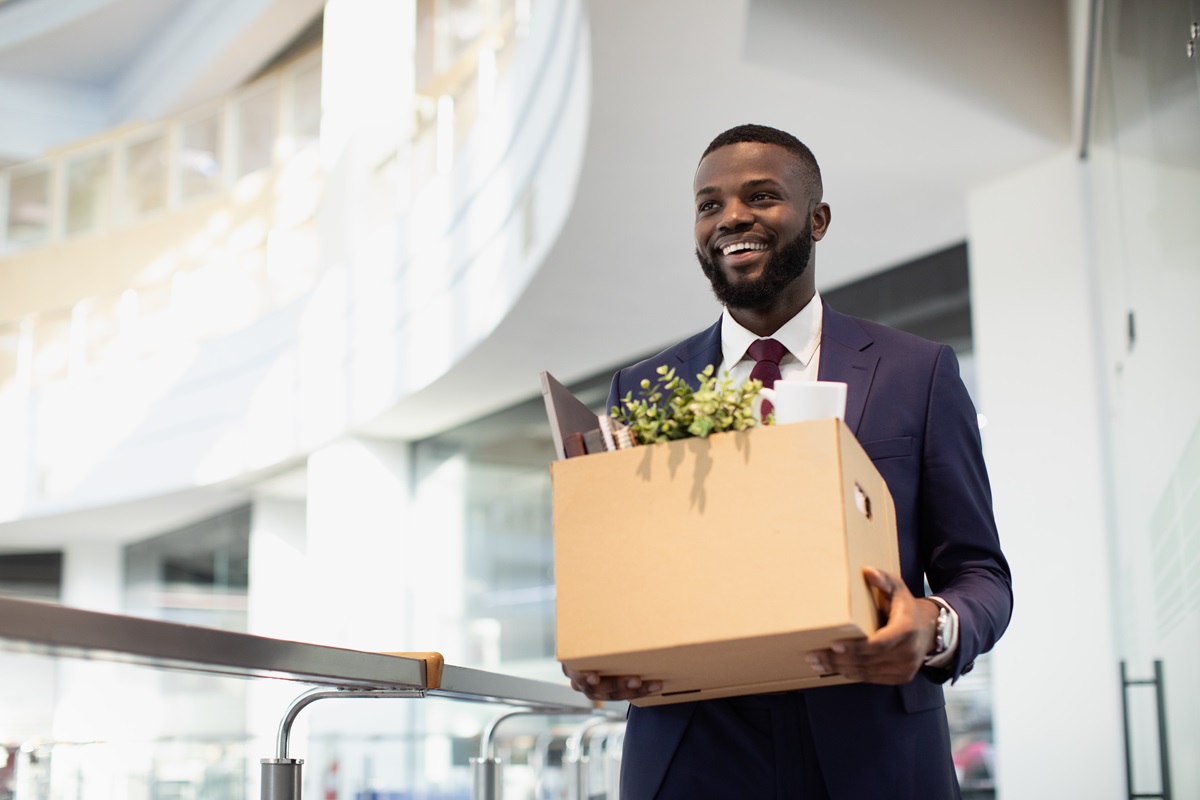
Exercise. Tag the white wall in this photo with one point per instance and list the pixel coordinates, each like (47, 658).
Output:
(1056, 687)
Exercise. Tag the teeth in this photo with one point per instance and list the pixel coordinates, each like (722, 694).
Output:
(738, 247)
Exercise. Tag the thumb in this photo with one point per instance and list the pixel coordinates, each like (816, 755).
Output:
(884, 585)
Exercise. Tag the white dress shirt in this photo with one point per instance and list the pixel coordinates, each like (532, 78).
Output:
(801, 335)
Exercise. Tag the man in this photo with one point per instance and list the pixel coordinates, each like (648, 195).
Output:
(759, 211)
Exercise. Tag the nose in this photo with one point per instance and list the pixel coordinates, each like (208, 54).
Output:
(735, 215)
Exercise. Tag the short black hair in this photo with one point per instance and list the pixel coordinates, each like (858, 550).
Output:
(767, 135)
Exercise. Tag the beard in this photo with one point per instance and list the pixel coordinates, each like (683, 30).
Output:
(759, 294)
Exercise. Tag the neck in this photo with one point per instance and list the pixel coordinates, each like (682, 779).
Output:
(765, 321)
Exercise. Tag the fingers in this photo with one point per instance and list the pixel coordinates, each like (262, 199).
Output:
(871, 663)
(821, 662)
(888, 588)
(884, 581)
(891, 655)
(861, 661)
(610, 687)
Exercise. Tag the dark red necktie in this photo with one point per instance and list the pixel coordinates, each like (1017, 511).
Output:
(767, 352)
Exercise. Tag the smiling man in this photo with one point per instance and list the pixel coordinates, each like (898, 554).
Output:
(759, 212)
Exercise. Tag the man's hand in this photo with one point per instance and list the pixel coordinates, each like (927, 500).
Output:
(601, 687)
(895, 652)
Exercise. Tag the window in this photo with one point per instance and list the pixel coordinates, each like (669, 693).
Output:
(145, 176)
(197, 574)
(257, 122)
(35, 576)
(28, 206)
(88, 183)
(200, 156)
(306, 106)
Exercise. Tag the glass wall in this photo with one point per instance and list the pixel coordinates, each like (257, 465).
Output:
(141, 743)
(1144, 158)
(502, 481)
(197, 574)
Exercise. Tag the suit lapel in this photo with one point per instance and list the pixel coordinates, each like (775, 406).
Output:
(698, 352)
(843, 342)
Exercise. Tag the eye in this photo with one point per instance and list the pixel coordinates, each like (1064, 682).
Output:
(758, 197)
(707, 205)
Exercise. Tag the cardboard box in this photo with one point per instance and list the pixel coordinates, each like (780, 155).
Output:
(715, 564)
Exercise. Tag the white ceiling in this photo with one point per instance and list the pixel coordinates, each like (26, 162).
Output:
(72, 68)
(91, 44)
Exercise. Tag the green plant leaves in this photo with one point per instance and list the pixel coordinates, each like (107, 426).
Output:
(670, 409)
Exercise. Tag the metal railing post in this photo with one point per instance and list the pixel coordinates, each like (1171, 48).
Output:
(576, 761)
(487, 773)
(539, 760)
(486, 778)
(613, 743)
(282, 777)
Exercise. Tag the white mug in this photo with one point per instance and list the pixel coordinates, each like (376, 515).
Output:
(797, 401)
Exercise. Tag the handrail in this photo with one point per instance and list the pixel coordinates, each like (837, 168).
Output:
(51, 629)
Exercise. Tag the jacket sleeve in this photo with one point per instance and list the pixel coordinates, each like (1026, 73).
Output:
(958, 540)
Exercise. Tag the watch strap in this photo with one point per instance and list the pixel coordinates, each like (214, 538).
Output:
(946, 643)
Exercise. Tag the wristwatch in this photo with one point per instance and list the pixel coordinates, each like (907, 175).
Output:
(943, 629)
(946, 632)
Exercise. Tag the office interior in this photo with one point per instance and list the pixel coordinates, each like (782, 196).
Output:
(278, 277)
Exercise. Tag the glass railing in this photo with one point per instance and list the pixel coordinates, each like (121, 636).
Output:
(148, 709)
(134, 186)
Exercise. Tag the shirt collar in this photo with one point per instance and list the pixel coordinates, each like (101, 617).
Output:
(801, 334)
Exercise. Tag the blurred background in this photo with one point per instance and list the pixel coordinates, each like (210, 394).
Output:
(277, 278)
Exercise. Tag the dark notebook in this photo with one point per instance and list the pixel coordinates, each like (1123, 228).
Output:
(567, 413)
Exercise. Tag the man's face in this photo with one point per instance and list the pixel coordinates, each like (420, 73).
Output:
(754, 229)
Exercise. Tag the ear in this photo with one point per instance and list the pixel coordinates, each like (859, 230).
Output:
(821, 216)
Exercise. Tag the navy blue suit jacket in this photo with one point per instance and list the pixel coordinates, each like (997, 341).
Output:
(910, 411)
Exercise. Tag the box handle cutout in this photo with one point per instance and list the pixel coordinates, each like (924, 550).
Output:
(861, 501)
